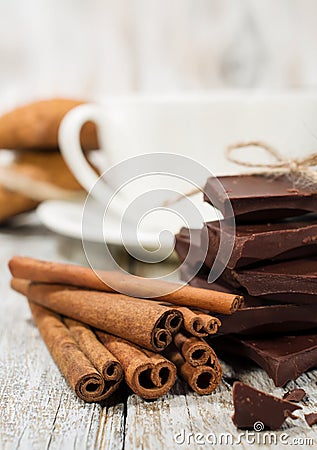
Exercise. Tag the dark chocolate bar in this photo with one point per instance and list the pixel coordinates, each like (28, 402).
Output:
(292, 281)
(195, 242)
(259, 315)
(254, 408)
(264, 320)
(296, 277)
(189, 240)
(258, 198)
(183, 240)
(278, 241)
(284, 358)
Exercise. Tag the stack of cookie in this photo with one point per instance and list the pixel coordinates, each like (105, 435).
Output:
(273, 264)
(37, 171)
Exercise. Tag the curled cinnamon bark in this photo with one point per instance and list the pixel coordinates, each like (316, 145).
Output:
(202, 379)
(51, 272)
(196, 351)
(144, 322)
(98, 355)
(198, 323)
(210, 324)
(148, 374)
(192, 322)
(85, 380)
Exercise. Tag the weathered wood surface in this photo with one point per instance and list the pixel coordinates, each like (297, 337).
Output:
(38, 410)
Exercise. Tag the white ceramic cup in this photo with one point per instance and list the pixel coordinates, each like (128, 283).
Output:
(199, 126)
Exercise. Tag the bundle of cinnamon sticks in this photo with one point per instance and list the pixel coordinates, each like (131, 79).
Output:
(99, 337)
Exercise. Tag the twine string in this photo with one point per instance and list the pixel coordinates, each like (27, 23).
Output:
(301, 168)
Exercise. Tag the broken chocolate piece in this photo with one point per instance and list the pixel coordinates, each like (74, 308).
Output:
(284, 358)
(189, 240)
(293, 281)
(201, 280)
(311, 418)
(253, 408)
(298, 276)
(296, 238)
(295, 395)
(260, 316)
(259, 198)
(268, 319)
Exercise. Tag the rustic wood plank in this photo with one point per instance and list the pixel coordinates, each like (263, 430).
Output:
(152, 425)
(39, 410)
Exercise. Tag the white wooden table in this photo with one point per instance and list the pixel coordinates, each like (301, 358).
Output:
(38, 410)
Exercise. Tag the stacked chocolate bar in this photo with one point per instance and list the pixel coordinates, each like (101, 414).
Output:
(273, 264)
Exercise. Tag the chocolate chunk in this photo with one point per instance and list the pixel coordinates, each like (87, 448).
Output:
(293, 281)
(259, 315)
(273, 241)
(298, 276)
(201, 280)
(258, 198)
(182, 240)
(258, 410)
(188, 247)
(292, 297)
(269, 319)
(311, 418)
(284, 358)
(296, 395)
(189, 240)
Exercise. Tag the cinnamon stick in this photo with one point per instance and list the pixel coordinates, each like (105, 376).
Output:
(196, 351)
(202, 379)
(51, 272)
(197, 323)
(143, 322)
(192, 322)
(82, 376)
(148, 374)
(98, 355)
(211, 324)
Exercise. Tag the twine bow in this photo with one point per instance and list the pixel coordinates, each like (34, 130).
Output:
(297, 166)
(300, 168)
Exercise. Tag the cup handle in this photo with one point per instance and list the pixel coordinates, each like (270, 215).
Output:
(69, 142)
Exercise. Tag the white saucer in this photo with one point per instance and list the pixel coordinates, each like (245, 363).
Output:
(65, 218)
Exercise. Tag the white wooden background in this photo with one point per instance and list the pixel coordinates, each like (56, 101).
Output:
(96, 47)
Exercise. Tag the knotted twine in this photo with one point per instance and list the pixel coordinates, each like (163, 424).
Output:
(299, 170)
